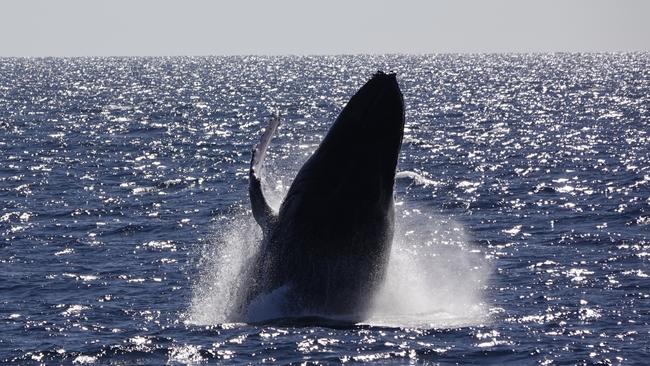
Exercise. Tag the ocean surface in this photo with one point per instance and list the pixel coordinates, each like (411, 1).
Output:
(523, 209)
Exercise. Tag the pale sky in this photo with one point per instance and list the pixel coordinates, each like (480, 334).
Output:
(279, 27)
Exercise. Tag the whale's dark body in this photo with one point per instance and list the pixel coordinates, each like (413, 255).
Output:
(329, 243)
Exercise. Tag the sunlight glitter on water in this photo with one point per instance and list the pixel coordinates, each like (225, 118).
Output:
(120, 172)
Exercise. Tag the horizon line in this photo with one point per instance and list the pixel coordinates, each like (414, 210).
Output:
(271, 55)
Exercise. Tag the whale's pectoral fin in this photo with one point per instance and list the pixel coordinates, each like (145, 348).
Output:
(262, 212)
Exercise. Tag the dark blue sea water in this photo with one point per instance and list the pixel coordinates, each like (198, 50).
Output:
(523, 204)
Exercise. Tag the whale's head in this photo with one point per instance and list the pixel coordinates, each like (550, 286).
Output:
(365, 140)
(374, 116)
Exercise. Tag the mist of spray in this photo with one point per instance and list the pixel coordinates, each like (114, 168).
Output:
(223, 267)
(434, 278)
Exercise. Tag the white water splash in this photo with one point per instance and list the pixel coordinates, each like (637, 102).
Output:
(434, 278)
(417, 178)
(223, 263)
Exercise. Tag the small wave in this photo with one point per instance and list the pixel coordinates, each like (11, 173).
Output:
(417, 178)
(143, 190)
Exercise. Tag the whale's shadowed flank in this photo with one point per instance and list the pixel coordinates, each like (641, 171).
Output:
(328, 245)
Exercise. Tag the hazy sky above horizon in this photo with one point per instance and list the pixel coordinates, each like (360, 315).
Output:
(195, 27)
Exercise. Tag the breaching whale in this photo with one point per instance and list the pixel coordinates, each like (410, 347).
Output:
(328, 244)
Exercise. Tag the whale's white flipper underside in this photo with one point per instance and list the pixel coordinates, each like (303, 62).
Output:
(262, 212)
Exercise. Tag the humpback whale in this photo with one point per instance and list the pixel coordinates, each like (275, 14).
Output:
(328, 244)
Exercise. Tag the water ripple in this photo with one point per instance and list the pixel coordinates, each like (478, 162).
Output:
(115, 173)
